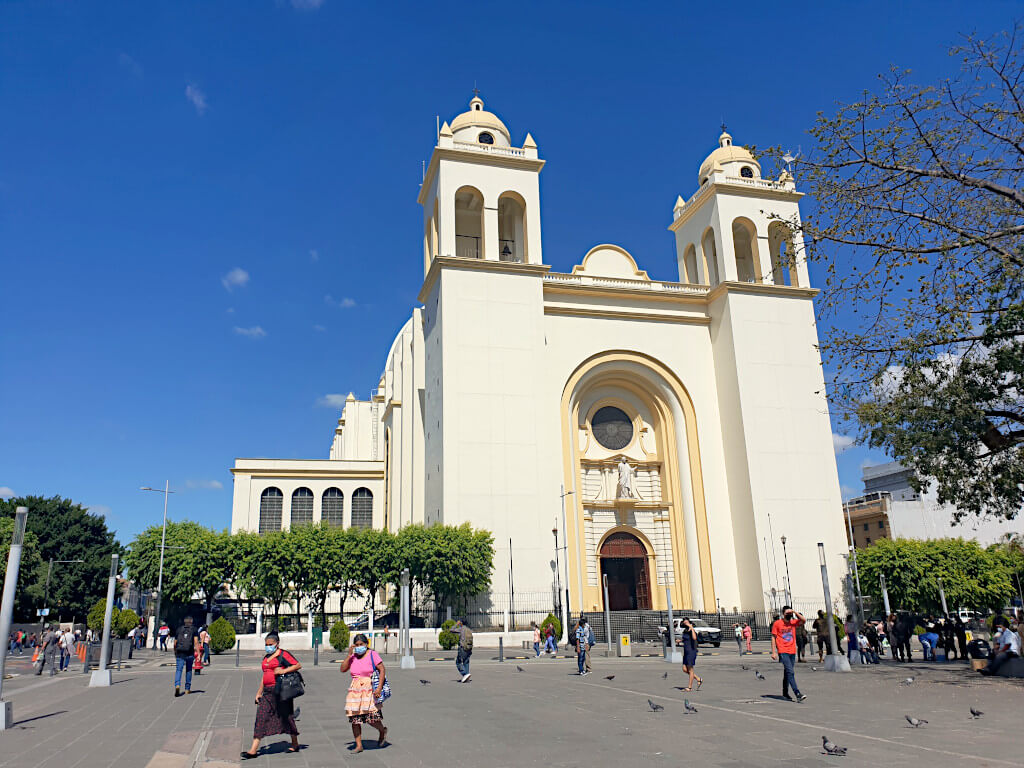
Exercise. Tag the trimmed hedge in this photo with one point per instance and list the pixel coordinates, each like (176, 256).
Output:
(447, 638)
(127, 620)
(339, 636)
(554, 622)
(222, 635)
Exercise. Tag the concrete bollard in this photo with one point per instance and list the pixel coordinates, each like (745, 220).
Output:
(238, 647)
(501, 649)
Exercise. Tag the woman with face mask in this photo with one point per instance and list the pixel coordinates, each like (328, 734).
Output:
(362, 704)
(273, 716)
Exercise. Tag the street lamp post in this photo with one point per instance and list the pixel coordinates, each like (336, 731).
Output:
(856, 574)
(160, 578)
(789, 586)
(835, 661)
(565, 558)
(558, 575)
(46, 590)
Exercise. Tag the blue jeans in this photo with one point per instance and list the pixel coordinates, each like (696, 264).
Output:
(462, 661)
(206, 653)
(180, 663)
(788, 676)
(581, 659)
(536, 648)
(549, 645)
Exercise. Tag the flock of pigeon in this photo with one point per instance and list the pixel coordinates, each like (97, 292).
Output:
(829, 747)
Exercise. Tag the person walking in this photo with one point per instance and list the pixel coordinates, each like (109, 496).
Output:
(582, 641)
(465, 649)
(186, 644)
(801, 643)
(738, 631)
(960, 630)
(748, 635)
(820, 627)
(536, 639)
(784, 649)
(164, 633)
(689, 638)
(47, 651)
(550, 646)
(204, 642)
(363, 701)
(273, 716)
(67, 648)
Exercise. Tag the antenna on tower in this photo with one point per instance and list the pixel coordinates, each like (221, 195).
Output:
(438, 119)
(424, 172)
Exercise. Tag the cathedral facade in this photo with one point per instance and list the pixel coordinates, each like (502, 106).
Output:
(600, 423)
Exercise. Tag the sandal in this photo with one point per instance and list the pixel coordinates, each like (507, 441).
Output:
(249, 755)
(383, 740)
(292, 750)
(687, 689)
(700, 682)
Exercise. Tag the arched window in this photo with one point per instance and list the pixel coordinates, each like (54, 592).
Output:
(744, 240)
(690, 265)
(511, 228)
(469, 223)
(271, 504)
(710, 253)
(779, 245)
(485, 138)
(362, 508)
(332, 507)
(302, 507)
(747, 172)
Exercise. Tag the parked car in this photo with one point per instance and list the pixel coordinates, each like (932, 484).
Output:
(389, 620)
(705, 632)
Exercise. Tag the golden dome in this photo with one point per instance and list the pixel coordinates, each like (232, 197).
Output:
(478, 117)
(726, 153)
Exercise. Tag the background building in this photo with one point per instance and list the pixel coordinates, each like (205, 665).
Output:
(682, 423)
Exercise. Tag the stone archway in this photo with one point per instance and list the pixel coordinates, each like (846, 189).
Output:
(624, 562)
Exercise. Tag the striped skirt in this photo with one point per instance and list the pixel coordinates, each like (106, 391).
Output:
(359, 704)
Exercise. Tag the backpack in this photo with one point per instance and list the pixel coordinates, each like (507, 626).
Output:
(183, 639)
(591, 640)
(466, 639)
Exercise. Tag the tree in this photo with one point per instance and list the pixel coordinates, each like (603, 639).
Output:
(972, 576)
(920, 228)
(222, 635)
(458, 563)
(94, 620)
(339, 636)
(29, 591)
(267, 571)
(65, 530)
(373, 556)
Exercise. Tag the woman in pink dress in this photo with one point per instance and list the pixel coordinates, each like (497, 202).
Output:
(362, 704)
(747, 634)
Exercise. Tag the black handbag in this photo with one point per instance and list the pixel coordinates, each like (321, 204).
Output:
(289, 686)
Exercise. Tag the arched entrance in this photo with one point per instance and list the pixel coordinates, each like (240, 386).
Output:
(624, 562)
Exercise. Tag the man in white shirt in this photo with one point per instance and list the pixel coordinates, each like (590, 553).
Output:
(1006, 646)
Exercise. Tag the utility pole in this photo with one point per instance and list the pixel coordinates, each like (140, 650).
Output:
(565, 564)
(789, 587)
(7, 607)
(163, 547)
(835, 661)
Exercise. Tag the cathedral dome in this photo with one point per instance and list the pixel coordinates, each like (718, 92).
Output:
(735, 161)
(479, 125)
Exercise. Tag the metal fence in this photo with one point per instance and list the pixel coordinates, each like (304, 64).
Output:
(642, 626)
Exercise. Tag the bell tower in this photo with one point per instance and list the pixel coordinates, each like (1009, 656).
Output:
(480, 194)
(733, 228)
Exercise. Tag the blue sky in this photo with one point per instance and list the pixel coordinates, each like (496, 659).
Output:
(208, 218)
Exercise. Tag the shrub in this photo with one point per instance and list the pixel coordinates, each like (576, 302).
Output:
(840, 629)
(447, 638)
(95, 619)
(339, 636)
(127, 620)
(555, 624)
(222, 635)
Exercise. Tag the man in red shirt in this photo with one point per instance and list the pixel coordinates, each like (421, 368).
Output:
(784, 648)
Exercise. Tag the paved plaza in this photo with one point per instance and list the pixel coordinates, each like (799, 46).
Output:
(543, 715)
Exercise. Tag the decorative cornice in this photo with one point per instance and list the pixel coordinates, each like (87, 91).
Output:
(611, 291)
(658, 317)
(477, 158)
(763, 289)
(339, 474)
(485, 265)
(727, 188)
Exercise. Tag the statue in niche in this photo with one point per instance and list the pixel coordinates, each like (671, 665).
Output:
(627, 481)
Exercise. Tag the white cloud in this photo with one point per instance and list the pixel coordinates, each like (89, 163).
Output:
(6, 492)
(345, 302)
(331, 401)
(307, 5)
(236, 278)
(841, 443)
(319, 328)
(253, 332)
(206, 485)
(314, 255)
(100, 509)
(130, 64)
(869, 462)
(195, 94)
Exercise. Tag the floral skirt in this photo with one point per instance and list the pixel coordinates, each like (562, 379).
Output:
(359, 703)
(272, 719)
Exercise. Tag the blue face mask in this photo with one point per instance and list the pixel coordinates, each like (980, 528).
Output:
(271, 648)
(359, 650)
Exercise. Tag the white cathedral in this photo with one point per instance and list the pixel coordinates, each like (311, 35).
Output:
(661, 433)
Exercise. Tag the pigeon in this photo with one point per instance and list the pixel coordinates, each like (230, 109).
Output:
(424, 682)
(758, 675)
(654, 707)
(609, 677)
(830, 748)
(976, 713)
(519, 669)
(689, 706)
(665, 676)
(744, 667)
(915, 721)
(814, 669)
(907, 681)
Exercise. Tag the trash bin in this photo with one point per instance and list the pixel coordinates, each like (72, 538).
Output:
(625, 649)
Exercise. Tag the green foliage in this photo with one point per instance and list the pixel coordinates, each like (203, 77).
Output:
(840, 629)
(447, 638)
(918, 230)
(95, 618)
(339, 636)
(127, 620)
(222, 635)
(554, 622)
(63, 530)
(972, 576)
